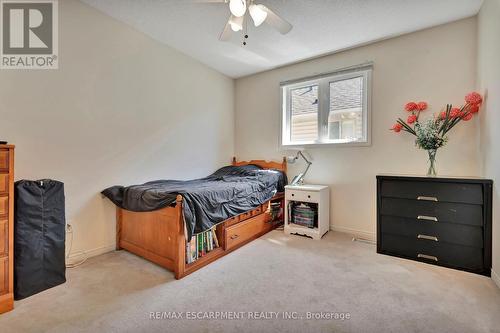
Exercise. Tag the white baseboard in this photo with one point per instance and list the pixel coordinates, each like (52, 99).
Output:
(371, 236)
(495, 277)
(79, 255)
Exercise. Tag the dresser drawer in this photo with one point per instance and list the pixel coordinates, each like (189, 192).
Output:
(4, 160)
(439, 211)
(456, 256)
(459, 234)
(246, 230)
(4, 275)
(4, 206)
(4, 237)
(4, 183)
(302, 196)
(433, 191)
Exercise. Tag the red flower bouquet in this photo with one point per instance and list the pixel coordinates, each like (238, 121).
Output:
(431, 134)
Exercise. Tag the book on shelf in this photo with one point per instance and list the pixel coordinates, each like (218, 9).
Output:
(201, 244)
(194, 249)
(210, 245)
(214, 236)
(276, 211)
(303, 214)
(201, 250)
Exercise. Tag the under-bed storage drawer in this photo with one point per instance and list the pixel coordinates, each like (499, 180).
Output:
(246, 230)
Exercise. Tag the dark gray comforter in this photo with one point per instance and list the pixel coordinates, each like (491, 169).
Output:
(207, 201)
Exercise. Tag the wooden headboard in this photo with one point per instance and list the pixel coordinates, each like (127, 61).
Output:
(264, 164)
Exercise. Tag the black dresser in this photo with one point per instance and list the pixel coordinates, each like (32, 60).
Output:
(442, 221)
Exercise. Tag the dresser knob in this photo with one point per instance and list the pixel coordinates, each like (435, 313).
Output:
(433, 238)
(427, 218)
(424, 198)
(425, 256)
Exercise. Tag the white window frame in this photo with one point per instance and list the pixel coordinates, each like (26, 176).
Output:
(323, 81)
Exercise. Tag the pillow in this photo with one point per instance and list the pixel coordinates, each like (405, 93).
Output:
(231, 170)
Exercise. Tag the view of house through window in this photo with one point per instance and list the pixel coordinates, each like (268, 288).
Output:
(345, 118)
(327, 110)
(304, 111)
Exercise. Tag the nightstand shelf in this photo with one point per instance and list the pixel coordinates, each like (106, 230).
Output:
(315, 194)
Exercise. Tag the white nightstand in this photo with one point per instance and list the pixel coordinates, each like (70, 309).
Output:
(318, 194)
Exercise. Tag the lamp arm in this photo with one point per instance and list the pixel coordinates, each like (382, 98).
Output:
(305, 158)
(307, 168)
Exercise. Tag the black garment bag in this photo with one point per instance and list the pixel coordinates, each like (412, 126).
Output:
(39, 236)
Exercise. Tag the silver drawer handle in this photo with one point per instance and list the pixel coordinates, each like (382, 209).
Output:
(424, 198)
(428, 218)
(434, 238)
(425, 256)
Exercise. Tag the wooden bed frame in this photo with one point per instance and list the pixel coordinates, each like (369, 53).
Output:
(159, 236)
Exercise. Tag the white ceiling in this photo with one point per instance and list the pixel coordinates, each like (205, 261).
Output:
(320, 27)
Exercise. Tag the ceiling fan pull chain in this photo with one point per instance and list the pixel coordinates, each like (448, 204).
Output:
(245, 32)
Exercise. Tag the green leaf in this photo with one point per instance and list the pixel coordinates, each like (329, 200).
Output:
(406, 126)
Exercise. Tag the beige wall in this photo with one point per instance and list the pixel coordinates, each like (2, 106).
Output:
(121, 109)
(489, 83)
(437, 65)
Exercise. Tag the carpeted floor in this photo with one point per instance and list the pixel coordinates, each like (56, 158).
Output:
(276, 275)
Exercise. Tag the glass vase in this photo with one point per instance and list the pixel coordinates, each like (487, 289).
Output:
(431, 172)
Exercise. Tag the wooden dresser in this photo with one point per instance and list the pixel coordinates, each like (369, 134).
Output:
(442, 221)
(6, 227)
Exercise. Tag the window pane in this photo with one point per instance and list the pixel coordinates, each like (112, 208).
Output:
(334, 130)
(345, 119)
(304, 114)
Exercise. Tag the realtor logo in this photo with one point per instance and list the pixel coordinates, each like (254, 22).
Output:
(29, 38)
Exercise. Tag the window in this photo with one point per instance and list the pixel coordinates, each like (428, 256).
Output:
(329, 109)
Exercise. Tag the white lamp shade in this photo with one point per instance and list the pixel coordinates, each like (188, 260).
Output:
(236, 23)
(258, 14)
(238, 7)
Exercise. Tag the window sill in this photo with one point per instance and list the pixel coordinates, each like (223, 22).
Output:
(325, 145)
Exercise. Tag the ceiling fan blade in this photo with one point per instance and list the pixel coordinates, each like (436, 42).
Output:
(226, 33)
(208, 1)
(277, 22)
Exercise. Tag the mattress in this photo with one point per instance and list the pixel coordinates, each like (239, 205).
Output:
(229, 191)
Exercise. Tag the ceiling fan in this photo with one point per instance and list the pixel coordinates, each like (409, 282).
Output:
(241, 10)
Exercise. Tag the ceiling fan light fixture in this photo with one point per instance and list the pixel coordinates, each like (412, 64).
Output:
(258, 14)
(236, 23)
(238, 7)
